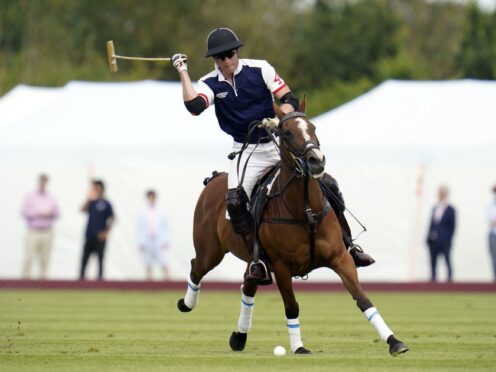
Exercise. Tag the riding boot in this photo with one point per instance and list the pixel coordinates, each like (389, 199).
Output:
(360, 258)
(243, 225)
(331, 190)
(257, 270)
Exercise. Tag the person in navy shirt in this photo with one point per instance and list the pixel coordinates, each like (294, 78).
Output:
(243, 92)
(100, 220)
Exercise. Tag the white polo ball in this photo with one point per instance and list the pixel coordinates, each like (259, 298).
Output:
(279, 351)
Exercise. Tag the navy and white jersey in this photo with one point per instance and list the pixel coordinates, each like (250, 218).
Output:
(248, 99)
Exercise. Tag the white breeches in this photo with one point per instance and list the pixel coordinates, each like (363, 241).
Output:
(153, 254)
(264, 156)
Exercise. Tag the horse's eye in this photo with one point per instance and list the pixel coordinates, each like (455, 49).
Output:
(288, 133)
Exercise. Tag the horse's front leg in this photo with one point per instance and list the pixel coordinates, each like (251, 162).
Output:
(238, 339)
(284, 282)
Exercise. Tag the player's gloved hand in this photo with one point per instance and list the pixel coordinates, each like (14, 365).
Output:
(179, 61)
(269, 124)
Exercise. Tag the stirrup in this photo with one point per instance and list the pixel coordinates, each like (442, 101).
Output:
(360, 258)
(356, 247)
(258, 272)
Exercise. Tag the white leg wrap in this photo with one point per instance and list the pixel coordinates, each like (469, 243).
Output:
(191, 298)
(294, 334)
(379, 324)
(246, 313)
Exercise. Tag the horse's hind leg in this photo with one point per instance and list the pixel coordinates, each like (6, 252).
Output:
(346, 269)
(283, 279)
(205, 260)
(237, 341)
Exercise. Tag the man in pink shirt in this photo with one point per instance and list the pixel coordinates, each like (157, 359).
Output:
(40, 211)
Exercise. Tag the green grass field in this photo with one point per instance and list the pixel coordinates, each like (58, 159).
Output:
(143, 331)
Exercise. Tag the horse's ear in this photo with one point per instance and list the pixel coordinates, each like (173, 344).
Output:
(277, 110)
(303, 103)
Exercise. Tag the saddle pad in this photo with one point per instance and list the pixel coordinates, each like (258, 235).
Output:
(272, 181)
(257, 201)
(261, 192)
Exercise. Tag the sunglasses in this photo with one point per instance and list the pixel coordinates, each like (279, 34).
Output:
(222, 56)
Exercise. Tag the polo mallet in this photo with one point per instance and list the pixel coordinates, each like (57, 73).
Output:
(112, 57)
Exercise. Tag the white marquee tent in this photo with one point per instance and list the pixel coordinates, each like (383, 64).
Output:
(392, 147)
(22, 100)
(138, 135)
(134, 136)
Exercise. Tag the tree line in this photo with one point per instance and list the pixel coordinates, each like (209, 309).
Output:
(330, 50)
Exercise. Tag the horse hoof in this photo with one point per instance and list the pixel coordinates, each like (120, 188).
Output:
(237, 341)
(182, 306)
(398, 348)
(301, 350)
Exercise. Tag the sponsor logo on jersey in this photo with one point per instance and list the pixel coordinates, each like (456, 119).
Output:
(221, 95)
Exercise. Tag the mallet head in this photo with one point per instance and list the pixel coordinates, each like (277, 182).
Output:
(111, 56)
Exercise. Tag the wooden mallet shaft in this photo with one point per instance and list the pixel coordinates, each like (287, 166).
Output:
(112, 57)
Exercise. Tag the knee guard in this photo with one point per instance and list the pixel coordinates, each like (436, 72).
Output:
(332, 192)
(237, 207)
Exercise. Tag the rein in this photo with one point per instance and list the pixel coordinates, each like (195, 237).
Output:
(253, 125)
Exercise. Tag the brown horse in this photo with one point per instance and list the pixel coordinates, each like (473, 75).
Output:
(298, 234)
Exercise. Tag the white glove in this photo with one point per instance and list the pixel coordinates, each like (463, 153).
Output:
(269, 124)
(179, 61)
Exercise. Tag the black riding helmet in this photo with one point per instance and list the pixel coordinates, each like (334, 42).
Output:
(221, 40)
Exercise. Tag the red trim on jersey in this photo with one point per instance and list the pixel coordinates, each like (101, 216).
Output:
(204, 96)
(278, 89)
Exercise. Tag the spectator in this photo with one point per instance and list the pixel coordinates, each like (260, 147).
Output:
(40, 211)
(492, 231)
(441, 230)
(100, 220)
(153, 236)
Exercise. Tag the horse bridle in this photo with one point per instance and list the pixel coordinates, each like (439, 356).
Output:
(298, 153)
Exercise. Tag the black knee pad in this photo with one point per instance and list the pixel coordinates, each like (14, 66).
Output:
(237, 207)
(333, 194)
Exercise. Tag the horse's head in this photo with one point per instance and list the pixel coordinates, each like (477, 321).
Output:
(299, 142)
